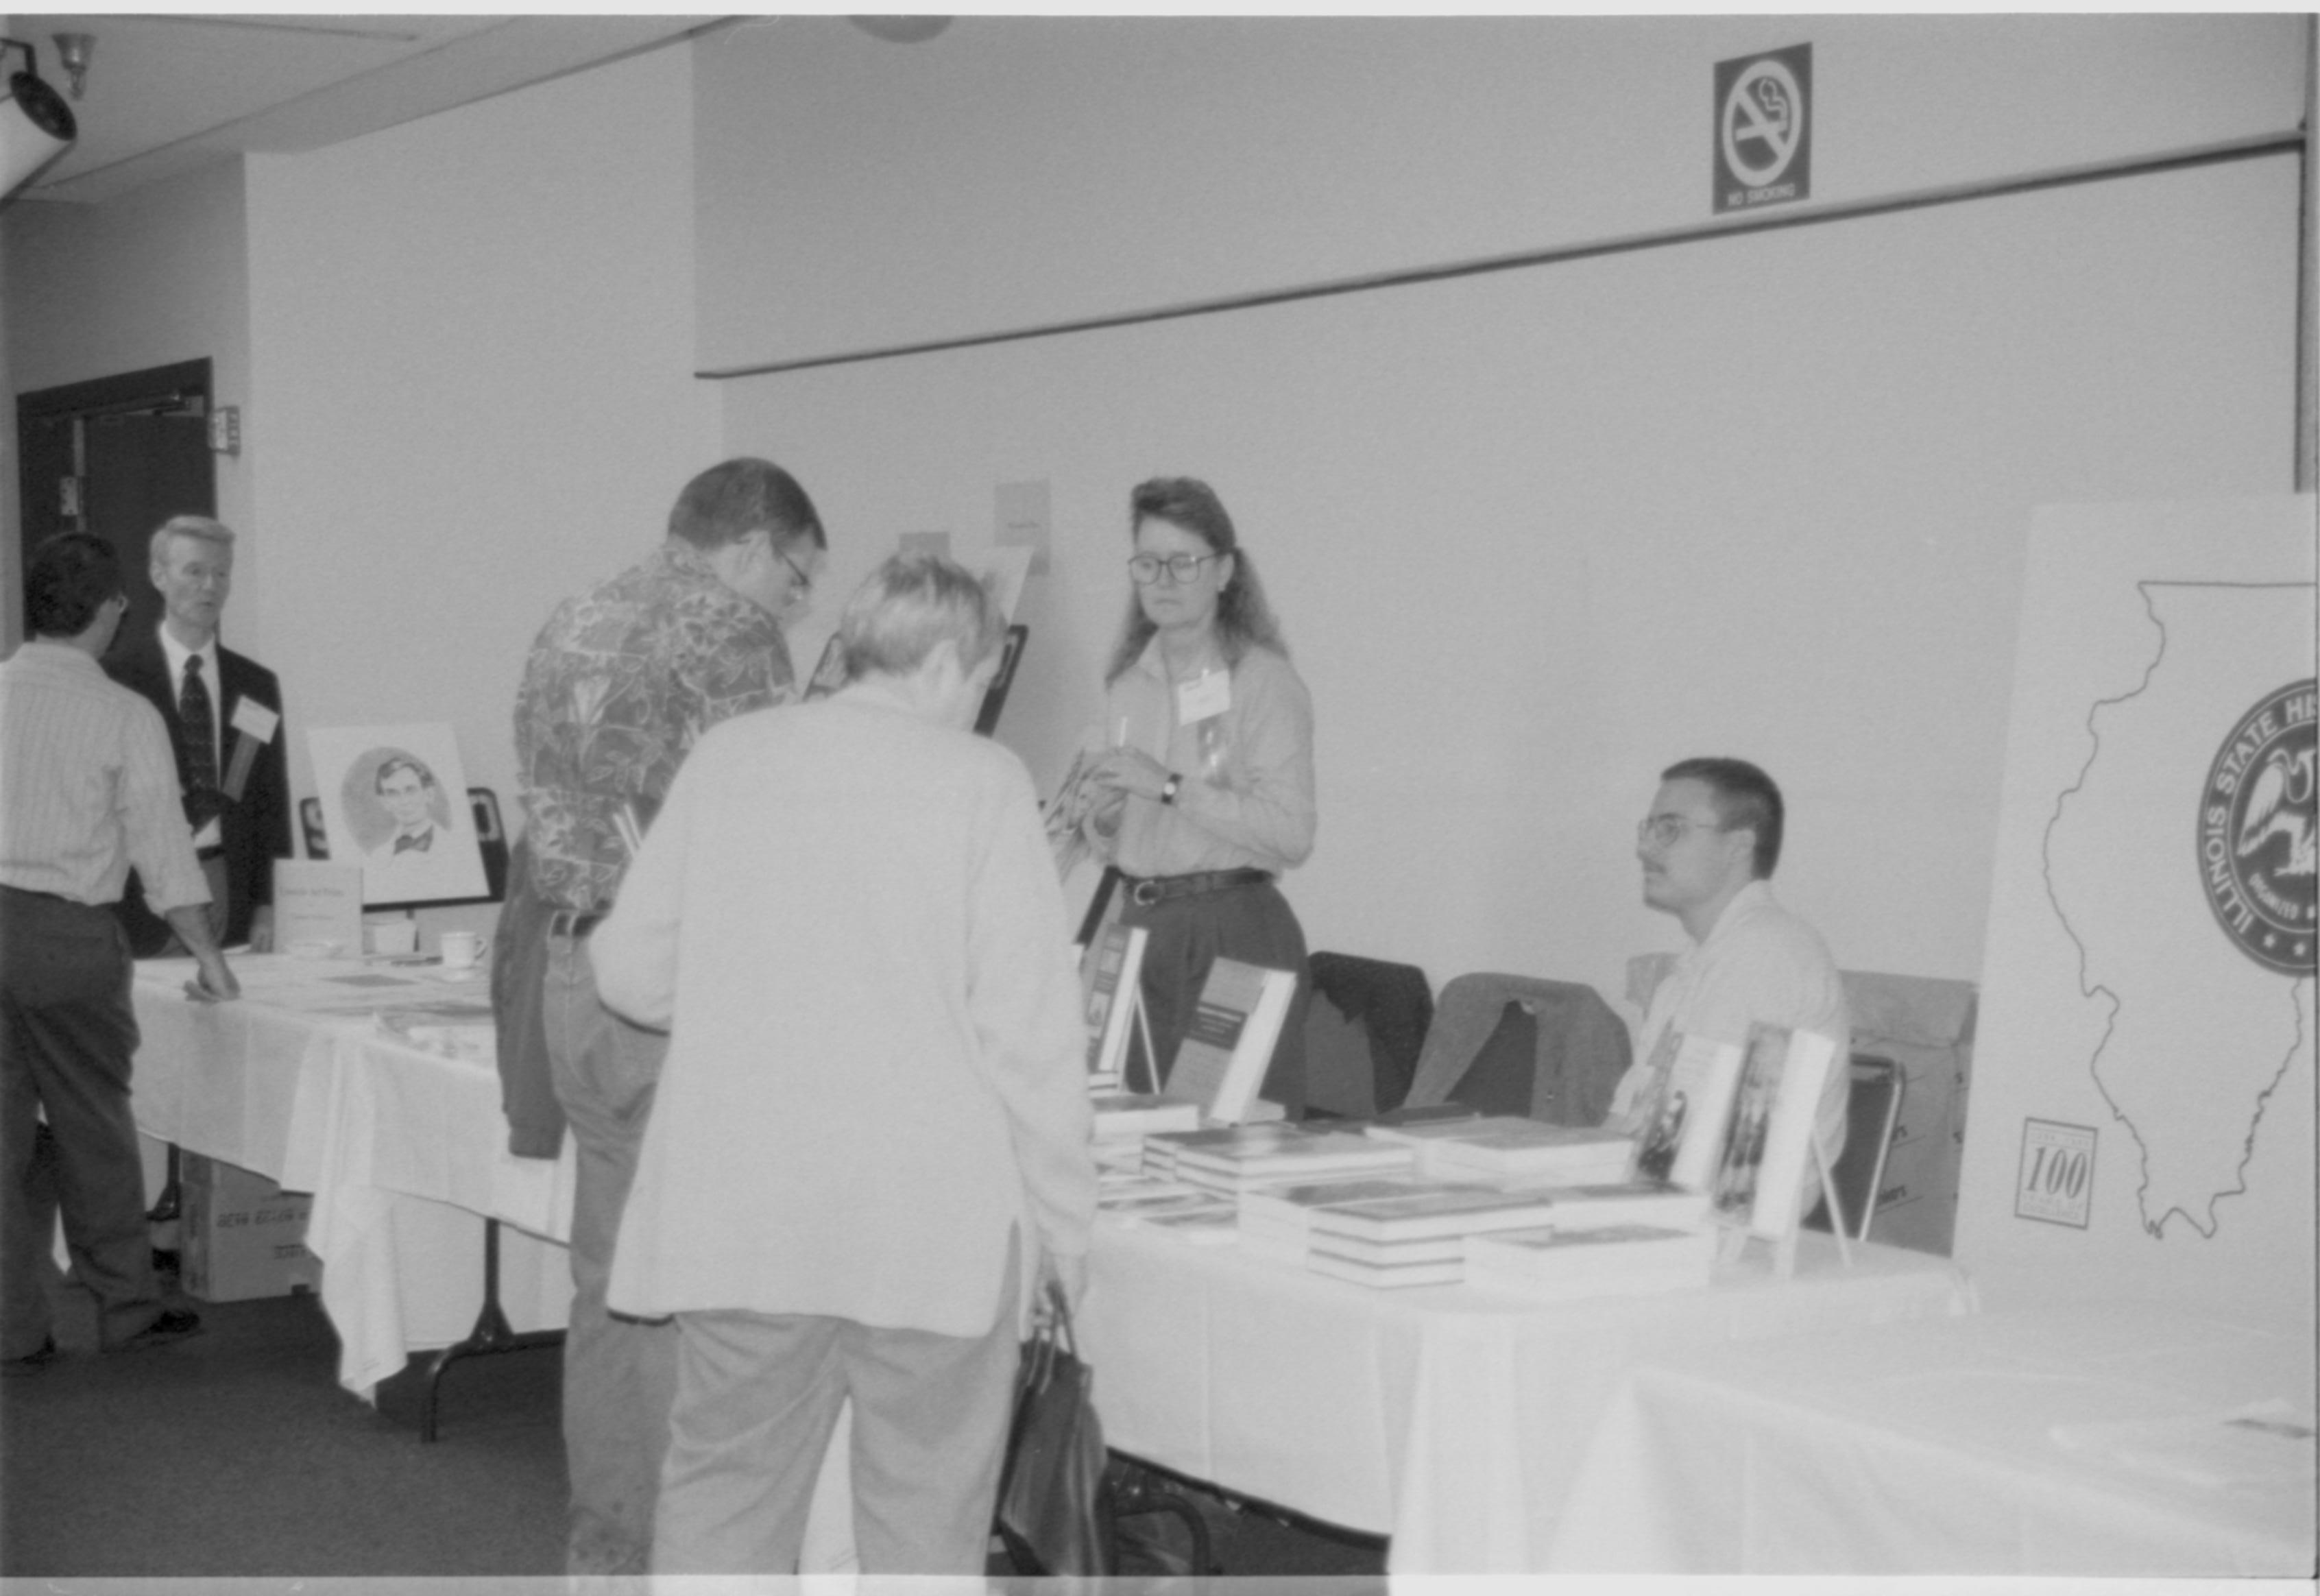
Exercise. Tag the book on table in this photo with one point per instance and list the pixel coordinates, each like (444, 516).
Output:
(1427, 1214)
(1629, 1202)
(1206, 1222)
(1310, 1158)
(1767, 1147)
(1123, 1115)
(1423, 1249)
(1287, 1209)
(1134, 1205)
(1110, 968)
(1388, 1276)
(1221, 1063)
(1508, 1145)
(1614, 1260)
(1163, 1147)
(1681, 1123)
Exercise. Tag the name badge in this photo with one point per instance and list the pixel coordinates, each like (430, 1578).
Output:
(254, 718)
(1206, 695)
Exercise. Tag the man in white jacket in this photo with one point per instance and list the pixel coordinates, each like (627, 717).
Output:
(871, 1137)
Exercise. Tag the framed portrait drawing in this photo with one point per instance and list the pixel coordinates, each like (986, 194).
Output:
(395, 801)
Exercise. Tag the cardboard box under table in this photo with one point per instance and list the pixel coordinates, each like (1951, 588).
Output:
(242, 1236)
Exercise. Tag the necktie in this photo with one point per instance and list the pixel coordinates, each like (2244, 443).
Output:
(418, 844)
(194, 713)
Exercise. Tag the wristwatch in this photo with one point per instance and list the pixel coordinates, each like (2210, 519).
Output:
(1168, 788)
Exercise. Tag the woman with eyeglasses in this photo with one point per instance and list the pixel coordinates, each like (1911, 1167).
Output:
(1210, 766)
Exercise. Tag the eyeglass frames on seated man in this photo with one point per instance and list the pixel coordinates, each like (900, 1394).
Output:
(1665, 830)
(1145, 568)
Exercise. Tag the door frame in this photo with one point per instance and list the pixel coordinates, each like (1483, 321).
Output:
(181, 386)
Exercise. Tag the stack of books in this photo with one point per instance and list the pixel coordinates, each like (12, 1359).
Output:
(1228, 1159)
(1416, 1237)
(1660, 1203)
(1276, 1220)
(1125, 1116)
(1614, 1260)
(1504, 1146)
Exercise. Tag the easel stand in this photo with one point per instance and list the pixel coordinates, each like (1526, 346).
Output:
(492, 1333)
(1738, 1235)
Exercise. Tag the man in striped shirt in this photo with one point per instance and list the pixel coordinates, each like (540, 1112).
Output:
(89, 788)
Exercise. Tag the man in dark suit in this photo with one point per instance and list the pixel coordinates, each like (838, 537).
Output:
(224, 714)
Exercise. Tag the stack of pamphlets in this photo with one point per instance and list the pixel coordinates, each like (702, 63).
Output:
(454, 1028)
(1144, 1200)
(1414, 1238)
(1614, 1260)
(1505, 1145)
(1232, 1158)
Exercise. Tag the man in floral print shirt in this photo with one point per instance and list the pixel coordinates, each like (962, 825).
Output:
(620, 683)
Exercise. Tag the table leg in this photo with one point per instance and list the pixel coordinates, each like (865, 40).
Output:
(492, 1333)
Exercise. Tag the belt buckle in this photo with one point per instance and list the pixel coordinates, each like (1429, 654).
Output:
(1144, 892)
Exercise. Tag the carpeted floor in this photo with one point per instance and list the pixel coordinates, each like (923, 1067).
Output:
(235, 1456)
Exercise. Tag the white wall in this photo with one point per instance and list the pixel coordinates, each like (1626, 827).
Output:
(1533, 535)
(470, 391)
(1019, 171)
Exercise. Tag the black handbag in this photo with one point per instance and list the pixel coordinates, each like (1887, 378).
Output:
(1051, 1508)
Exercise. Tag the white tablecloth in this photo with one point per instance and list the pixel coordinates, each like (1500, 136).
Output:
(1448, 1417)
(1932, 1449)
(402, 1149)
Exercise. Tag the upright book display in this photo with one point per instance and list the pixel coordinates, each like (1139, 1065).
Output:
(1220, 1063)
(1109, 972)
(1682, 1123)
(1770, 1145)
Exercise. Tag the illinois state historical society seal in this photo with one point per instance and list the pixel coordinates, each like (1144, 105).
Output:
(2256, 831)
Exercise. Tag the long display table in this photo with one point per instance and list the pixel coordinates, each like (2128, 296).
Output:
(402, 1149)
(1450, 1419)
(2151, 1444)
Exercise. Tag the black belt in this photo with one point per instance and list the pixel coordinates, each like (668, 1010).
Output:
(572, 922)
(26, 892)
(215, 850)
(1144, 891)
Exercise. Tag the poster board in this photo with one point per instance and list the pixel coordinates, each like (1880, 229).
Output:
(395, 801)
(2140, 1121)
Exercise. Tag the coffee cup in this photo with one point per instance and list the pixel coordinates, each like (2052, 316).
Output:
(462, 950)
(391, 937)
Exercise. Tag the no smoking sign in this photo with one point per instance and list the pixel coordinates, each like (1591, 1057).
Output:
(1763, 131)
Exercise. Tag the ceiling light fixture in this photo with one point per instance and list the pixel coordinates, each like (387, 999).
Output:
(36, 126)
(902, 30)
(73, 50)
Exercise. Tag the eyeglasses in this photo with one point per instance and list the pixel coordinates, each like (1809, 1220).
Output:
(1146, 568)
(1665, 830)
(799, 581)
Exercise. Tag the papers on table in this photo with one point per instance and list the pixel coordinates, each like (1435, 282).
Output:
(2266, 1443)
